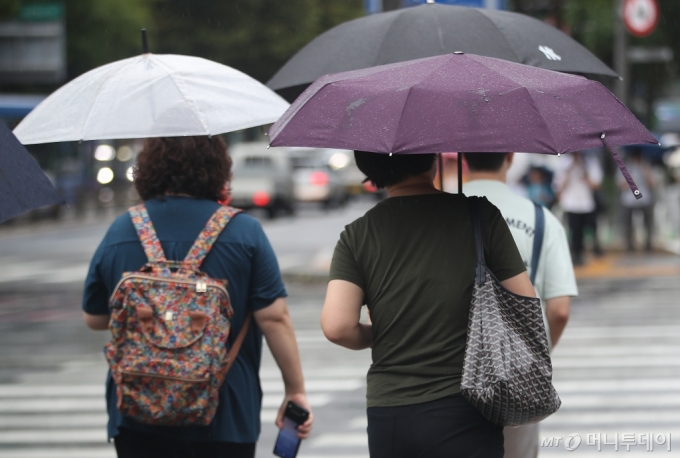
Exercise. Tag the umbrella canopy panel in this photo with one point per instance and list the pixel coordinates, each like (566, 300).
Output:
(431, 30)
(457, 102)
(152, 96)
(23, 185)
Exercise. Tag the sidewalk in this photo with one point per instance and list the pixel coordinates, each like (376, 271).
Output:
(611, 265)
(630, 265)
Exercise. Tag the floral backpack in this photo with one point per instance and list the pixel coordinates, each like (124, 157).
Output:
(169, 323)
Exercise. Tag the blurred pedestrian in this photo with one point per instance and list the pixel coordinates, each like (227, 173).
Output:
(576, 184)
(539, 186)
(641, 172)
(554, 278)
(181, 181)
(411, 259)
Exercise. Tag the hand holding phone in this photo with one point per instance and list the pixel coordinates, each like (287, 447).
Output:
(288, 442)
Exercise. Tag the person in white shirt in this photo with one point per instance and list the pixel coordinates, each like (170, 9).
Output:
(554, 280)
(576, 185)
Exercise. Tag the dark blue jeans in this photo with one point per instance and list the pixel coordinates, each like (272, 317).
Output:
(446, 428)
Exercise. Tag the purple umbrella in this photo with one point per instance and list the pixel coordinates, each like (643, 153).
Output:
(459, 102)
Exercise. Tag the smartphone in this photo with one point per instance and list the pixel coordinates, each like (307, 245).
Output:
(287, 444)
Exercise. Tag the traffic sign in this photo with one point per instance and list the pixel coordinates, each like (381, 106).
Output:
(640, 16)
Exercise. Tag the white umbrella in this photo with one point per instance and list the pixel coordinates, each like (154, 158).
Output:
(152, 96)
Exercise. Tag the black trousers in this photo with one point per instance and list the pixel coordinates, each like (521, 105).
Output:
(648, 219)
(578, 222)
(134, 444)
(446, 428)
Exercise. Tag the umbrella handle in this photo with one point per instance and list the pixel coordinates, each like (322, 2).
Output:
(622, 167)
(440, 165)
(460, 173)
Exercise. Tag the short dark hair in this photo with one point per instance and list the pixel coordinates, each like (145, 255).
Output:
(485, 162)
(197, 166)
(384, 170)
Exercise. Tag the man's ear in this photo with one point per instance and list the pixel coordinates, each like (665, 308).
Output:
(509, 158)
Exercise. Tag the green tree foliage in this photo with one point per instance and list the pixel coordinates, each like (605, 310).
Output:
(102, 31)
(9, 9)
(592, 24)
(254, 36)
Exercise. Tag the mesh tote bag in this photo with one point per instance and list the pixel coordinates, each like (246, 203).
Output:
(507, 373)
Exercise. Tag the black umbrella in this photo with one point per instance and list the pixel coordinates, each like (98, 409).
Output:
(23, 185)
(431, 30)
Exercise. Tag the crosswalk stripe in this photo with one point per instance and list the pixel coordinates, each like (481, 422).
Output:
(53, 405)
(618, 350)
(334, 372)
(626, 332)
(61, 420)
(341, 439)
(617, 417)
(53, 436)
(99, 404)
(106, 451)
(618, 362)
(270, 386)
(617, 385)
(314, 386)
(34, 391)
(315, 400)
(614, 401)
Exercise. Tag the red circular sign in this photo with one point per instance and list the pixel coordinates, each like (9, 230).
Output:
(640, 16)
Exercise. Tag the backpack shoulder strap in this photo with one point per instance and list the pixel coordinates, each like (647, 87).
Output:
(233, 352)
(539, 231)
(147, 233)
(213, 228)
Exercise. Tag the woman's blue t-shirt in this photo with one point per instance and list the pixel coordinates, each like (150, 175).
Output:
(242, 254)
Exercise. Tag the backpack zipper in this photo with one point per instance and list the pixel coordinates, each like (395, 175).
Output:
(167, 377)
(199, 283)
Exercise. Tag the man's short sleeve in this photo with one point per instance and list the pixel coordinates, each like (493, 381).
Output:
(344, 265)
(500, 249)
(555, 266)
(266, 284)
(95, 294)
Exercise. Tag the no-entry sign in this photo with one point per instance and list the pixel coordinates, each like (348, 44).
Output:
(640, 16)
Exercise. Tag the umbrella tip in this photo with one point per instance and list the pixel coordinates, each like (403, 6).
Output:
(458, 52)
(269, 145)
(430, 1)
(145, 43)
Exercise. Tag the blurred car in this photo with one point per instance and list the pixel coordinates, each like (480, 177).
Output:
(316, 180)
(262, 178)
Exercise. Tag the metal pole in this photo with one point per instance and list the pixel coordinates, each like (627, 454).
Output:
(440, 165)
(460, 173)
(621, 54)
(145, 43)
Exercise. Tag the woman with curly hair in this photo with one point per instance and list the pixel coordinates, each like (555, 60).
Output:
(181, 180)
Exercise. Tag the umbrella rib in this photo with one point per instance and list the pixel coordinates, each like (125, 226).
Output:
(190, 102)
(94, 102)
(531, 97)
(401, 116)
(500, 32)
(387, 32)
